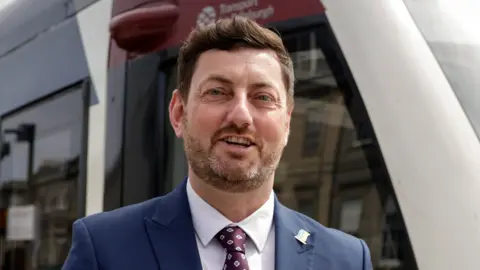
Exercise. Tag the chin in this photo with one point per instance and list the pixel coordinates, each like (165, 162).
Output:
(239, 173)
(240, 165)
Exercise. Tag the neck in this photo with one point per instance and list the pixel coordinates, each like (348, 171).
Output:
(234, 206)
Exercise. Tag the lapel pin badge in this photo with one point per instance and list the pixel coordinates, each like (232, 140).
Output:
(302, 236)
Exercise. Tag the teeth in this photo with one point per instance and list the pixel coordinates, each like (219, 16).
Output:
(237, 140)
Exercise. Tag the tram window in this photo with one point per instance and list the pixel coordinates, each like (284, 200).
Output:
(330, 169)
(39, 179)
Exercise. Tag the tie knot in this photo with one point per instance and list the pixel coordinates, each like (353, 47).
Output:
(232, 239)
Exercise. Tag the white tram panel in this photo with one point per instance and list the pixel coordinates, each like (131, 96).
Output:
(93, 23)
(430, 148)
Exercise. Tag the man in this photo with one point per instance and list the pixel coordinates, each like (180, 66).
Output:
(232, 108)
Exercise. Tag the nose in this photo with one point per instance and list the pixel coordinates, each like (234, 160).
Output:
(239, 112)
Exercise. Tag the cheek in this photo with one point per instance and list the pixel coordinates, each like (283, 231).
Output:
(203, 123)
(273, 129)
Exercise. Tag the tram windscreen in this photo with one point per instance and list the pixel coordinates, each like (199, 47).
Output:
(451, 30)
(331, 170)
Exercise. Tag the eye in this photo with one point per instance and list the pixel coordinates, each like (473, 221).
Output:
(215, 91)
(266, 98)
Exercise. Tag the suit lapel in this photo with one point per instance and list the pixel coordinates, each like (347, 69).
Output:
(172, 234)
(291, 253)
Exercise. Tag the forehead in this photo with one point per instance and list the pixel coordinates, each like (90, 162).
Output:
(238, 65)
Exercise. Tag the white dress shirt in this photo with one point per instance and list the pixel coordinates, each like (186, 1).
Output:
(207, 221)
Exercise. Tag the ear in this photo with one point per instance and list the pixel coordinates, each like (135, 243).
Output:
(176, 111)
(287, 123)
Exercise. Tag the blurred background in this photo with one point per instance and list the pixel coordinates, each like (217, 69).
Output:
(84, 92)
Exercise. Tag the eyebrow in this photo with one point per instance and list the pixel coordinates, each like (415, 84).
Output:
(224, 80)
(216, 78)
(264, 85)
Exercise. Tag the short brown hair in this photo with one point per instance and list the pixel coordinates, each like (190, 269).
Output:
(230, 34)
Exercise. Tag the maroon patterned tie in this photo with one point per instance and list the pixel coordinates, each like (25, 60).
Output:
(233, 240)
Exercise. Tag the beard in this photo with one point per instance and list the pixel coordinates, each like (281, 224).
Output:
(228, 175)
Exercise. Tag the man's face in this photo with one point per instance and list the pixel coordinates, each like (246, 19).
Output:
(235, 123)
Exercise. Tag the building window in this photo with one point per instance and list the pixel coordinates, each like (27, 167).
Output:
(350, 216)
(307, 198)
(313, 131)
(392, 236)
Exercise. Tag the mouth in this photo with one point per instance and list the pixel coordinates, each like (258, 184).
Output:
(238, 141)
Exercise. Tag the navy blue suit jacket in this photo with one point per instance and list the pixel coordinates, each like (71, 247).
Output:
(158, 234)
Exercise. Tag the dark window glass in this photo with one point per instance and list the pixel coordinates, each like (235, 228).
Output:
(331, 169)
(39, 180)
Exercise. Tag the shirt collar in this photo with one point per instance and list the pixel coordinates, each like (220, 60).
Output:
(257, 226)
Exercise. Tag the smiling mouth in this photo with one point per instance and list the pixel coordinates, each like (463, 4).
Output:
(238, 141)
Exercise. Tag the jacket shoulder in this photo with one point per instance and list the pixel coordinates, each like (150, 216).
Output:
(336, 244)
(315, 226)
(109, 240)
(127, 218)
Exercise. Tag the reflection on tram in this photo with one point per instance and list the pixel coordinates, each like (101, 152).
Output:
(39, 172)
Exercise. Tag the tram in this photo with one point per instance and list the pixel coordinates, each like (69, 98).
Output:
(385, 134)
